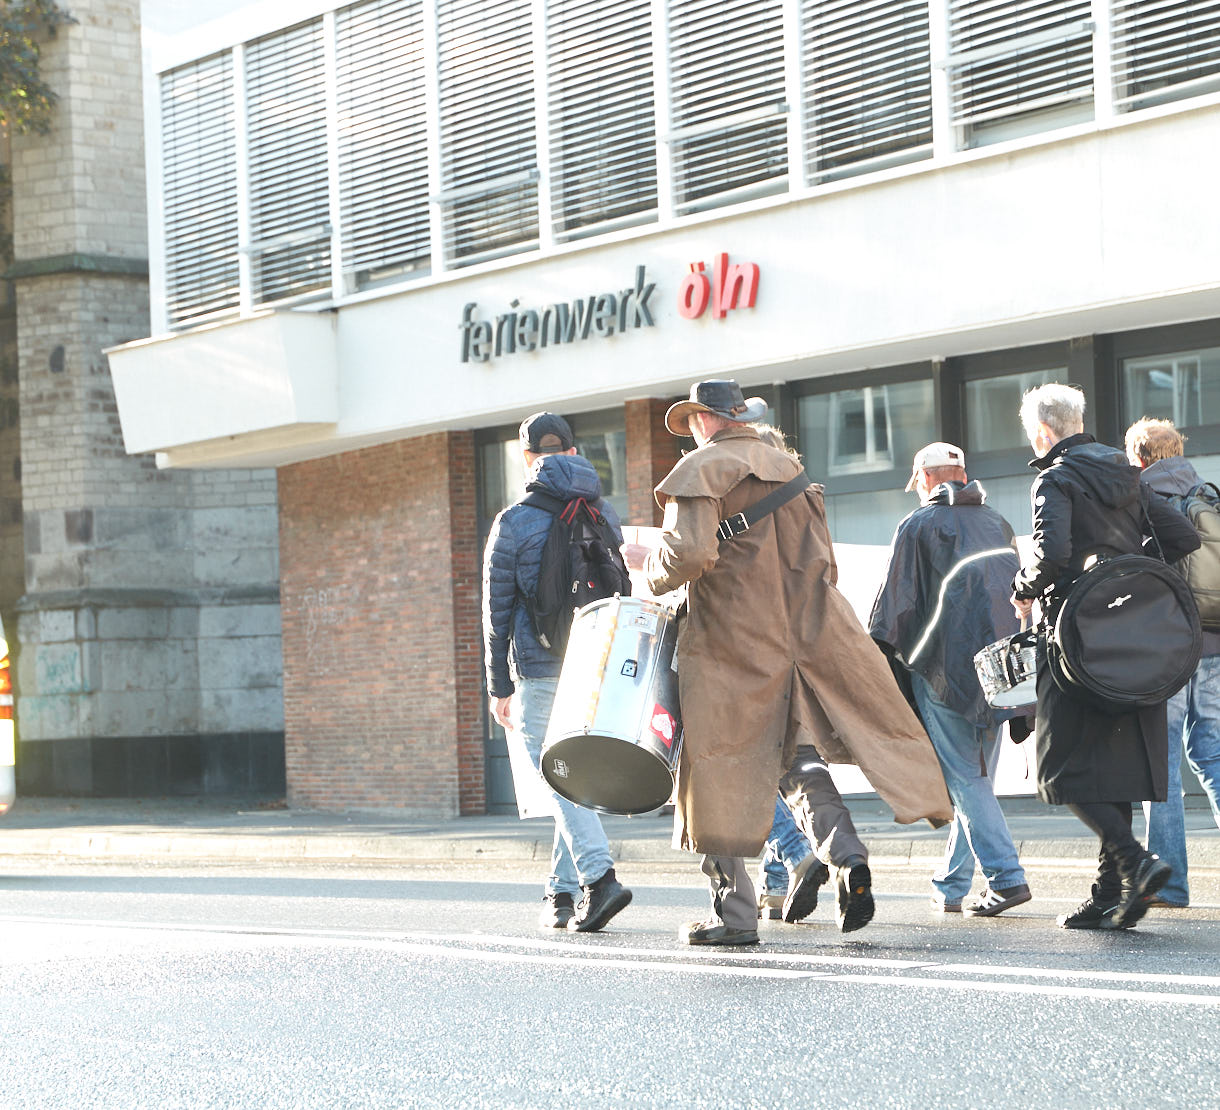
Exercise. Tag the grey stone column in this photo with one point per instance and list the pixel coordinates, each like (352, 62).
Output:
(148, 625)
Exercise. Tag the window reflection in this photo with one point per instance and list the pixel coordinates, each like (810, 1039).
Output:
(1183, 387)
(993, 405)
(502, 472)
(859, 431)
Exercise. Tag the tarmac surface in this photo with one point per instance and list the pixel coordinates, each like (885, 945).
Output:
(177, 830)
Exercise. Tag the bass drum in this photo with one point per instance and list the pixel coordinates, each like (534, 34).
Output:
(615, 732)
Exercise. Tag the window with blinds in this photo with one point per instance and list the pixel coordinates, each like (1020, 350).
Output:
(289, 189)
(601, 115)
(382, 136)
(1013, 58)
(867, 84)
(489, 168)
(199, 190)
(728, 131)
(1164, 50)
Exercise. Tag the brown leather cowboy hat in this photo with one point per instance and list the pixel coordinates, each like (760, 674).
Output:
(719, 395)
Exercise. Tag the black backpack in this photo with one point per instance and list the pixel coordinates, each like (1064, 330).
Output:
(581, 563)
(1201, 568)
(1127, 635)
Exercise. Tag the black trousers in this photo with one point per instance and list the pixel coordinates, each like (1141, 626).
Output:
(1120, 852)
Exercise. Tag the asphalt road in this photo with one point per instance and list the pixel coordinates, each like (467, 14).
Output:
(431, 985)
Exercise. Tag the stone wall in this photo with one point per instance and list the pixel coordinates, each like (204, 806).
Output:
(149, 617)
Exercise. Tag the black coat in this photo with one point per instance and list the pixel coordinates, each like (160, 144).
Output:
(945, 595)
(1088, 500)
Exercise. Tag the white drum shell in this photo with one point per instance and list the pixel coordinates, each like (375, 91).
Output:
(615, 731)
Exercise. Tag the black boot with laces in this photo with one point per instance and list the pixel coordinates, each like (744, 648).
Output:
(1094, 912)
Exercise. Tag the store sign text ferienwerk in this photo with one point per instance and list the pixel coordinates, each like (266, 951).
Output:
(600, 314)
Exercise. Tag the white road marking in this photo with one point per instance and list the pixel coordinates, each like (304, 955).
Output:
(491, 948)
(1043, 989)
(320, 938)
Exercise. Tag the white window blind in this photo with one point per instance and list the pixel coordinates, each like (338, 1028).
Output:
(1010, 57)
(199, 189)
(489, 171)
(601, 122)
(289, 204)
(867, 84)
(1164, 50)
(383, 151)
(729, 133)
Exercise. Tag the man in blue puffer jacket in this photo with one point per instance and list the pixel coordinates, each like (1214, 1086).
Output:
(517, 664)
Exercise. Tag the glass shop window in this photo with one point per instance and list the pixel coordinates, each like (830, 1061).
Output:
(860, 431)
(993, 405)
(600, 438)
(859, 443)
(1183, 387)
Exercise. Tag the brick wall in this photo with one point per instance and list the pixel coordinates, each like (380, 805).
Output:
(378, 586)
(467, 623)
(651, 454)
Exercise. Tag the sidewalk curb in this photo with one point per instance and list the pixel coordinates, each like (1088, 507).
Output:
(166, 847)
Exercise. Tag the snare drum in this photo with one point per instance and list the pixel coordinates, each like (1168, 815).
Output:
(615, 731)
(1008, 670)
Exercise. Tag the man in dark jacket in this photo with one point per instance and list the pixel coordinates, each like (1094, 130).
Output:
(517, 664)
(1087, 501)
(945, 598)
(1156, 447)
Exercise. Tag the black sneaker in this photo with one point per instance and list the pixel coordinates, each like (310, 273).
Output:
(854, 905)
(802, 898)
(603, 899)
(992, 902)
(1092, 913)
(716, 932)
(1151, 874)
(557, 911)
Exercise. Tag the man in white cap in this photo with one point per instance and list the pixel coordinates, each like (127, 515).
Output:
(944, 598)
(776, 675)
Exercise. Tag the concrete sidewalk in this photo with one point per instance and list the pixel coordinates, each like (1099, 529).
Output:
(189, 829)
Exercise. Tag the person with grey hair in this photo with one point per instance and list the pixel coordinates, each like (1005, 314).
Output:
(1087, 502)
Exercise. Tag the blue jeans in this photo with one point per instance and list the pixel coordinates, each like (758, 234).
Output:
(785, 848)
(580, 854)
(968, 756)
(1194, 717)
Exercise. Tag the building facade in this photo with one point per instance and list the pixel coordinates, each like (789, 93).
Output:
(383, 232)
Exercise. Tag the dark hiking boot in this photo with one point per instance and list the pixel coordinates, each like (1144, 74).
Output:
(1151, 874)
(718, 933)
(807, 877)
(557, 911)
(854, 905)
(603, 899)
(1092, 913)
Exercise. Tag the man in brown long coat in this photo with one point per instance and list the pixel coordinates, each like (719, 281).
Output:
(776, 674)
